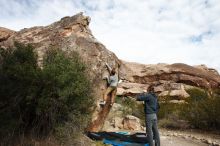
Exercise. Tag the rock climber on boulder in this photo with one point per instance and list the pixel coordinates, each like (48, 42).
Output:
(112, 81)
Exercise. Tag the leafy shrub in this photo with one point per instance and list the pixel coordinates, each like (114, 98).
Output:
(18, 85)
(197, 94)
(201, 111)
(204, 113)
(40, 100)
(132, 107)
(216, 92)
(170, 116)
(168, 109)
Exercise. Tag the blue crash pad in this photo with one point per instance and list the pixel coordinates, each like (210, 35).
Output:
(122, 143)
(120, 138)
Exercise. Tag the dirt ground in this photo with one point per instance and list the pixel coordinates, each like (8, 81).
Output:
(188, 138)
(178, 141)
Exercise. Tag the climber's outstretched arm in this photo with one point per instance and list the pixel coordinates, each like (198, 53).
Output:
(108, 67)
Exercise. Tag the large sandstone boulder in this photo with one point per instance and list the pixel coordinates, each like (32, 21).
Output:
(71, 33)
(131, 123)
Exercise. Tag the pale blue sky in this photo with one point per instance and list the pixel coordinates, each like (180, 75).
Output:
(145, 31)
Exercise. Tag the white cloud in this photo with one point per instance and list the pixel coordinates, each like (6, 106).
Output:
(136, 30)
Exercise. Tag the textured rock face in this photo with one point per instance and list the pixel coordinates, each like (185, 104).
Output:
(167, 79)
(204, 67)
(114, 120)
(117, 120)
(5, 33)
(129, 89)
(176, 73)
(131, 123)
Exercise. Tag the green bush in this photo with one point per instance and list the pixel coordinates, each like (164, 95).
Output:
(170, 116)
(200, 111)
(197, 94)
(203, 113)
(18, 85)
(132, 107)
(216, 92)
(41, 100)
(169, 109)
